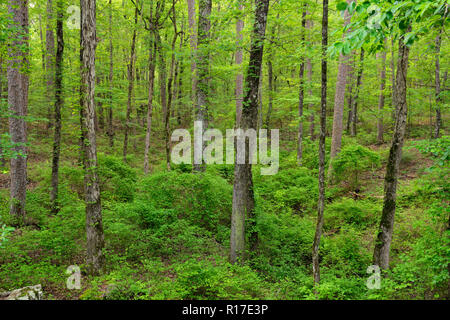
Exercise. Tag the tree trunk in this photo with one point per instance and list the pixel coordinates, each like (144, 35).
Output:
(354, 117)
(152, 65)
(394, 94)
(243, 197)
(18, 82)
(309, 26)
(193, 44)
(323, 119)
(437, 80)
(384, 237)
(94, 226)
(339, 100)
(50, 61)
(58, 105)
(301, 94)
(239, 60)
(201, 112)
(130, 87)
(380, 128)
(110, 80)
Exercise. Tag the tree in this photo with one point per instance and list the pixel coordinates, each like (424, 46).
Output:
(384, 237)
(354, 100)
(323, 119)
(50, 60)
(110, 131)
(243, 197)
(339, 98)
(239, 59)
(202, 62)
(381, 98)
(301, 94)
(193, 44)
(58, 106)
(94, 224)
(131, 72)
(437, 82)
(18, 82)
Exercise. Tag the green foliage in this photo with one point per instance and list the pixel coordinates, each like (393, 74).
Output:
(351, 162)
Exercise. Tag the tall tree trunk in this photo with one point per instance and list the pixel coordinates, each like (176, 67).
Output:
(323, 119)
(309, 26)
(381, 98)
(437, 80)
(152, 65)
(393, 91)
(350, 85)
(201, 112)
(193, 44)
(170, 86)
(301, 94)
(355, 99)
(130, 87)
(18, 62)
(339, 100)
(50, 61)
(384, 237)
(239, 60)
(94, 226)
(110, 80)
(58, 105)
(243, 197)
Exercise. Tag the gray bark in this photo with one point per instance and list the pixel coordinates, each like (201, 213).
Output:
(323, 119)
(18, 83)
(94, 225)
(384, 237)
(243, 197)
(239, 60)
(381, 98)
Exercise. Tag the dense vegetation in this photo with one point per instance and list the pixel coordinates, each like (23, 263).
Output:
(167, 227)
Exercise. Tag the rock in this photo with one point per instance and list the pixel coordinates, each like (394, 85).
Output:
(27, 293)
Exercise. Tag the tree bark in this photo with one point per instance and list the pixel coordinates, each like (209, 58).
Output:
(202, 91)
(18, 83)
(381, 98)
(152, 65)
(384, 237)
(58, 106)
(130, 86)
(323, 119)
(94, 226)
(110, 80)
(239, 60)
(437, 80)
(354, 117)
(50, 61)
(301, 95)
(339, 100)
(243, 197)
(193, 44)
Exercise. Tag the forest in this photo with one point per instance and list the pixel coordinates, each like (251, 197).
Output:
(224, 150)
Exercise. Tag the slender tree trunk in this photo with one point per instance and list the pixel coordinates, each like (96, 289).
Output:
(323, 119)
(394, 94)
(239, 60)
(50, 61)
(193, 44)
(301, 95)
(437, 80)
(18, 82)
(58, 105)
(110, 80)
(270, 81)
(381, 98)
(384, 237)
(94, 226)
(309, 26)
(170, 85)
(350, 85)
(152, 65)
(355, 99)
(201, 112)
(243, 197)
(339, 100)
(130, 87)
